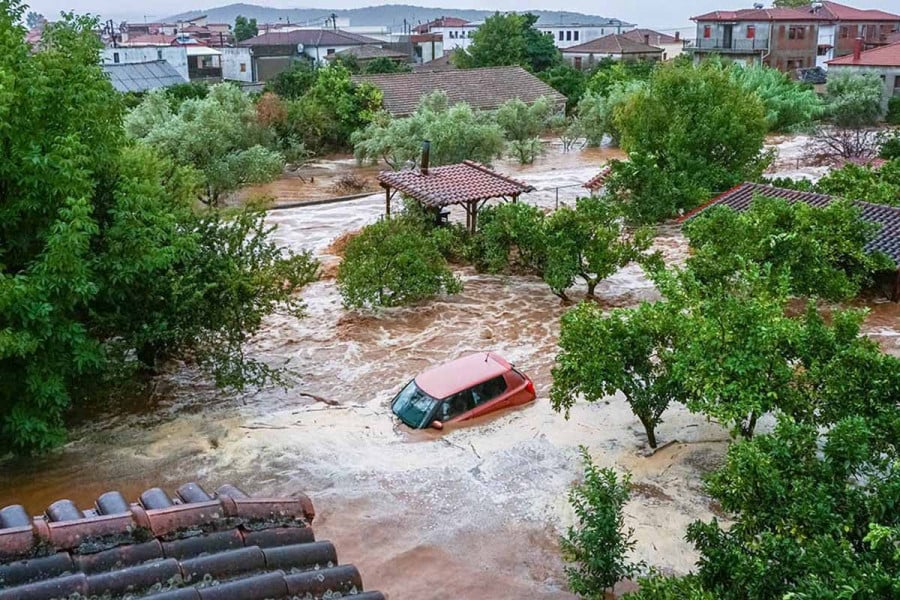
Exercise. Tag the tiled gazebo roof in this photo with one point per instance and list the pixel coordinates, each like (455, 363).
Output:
(887, 239)
(599, 180)
(461, 183)
(195, 546)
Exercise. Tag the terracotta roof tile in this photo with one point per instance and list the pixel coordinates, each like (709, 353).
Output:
(883, 56)
(761, 14)
(483, 89)
(614, 43)
(599, 180)
(656, 38)
(842, 12)
(310, 37)
(453, 184)
(441, 22)
(195, 546)
(368, 52)
(887, 239)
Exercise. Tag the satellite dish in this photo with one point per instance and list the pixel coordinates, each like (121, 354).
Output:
(299, 48)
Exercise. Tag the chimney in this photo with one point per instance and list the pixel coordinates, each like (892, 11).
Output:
(857, 48)
(426, 151)
(677, 36)
(647, 38)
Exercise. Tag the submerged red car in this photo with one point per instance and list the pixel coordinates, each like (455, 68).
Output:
(466, 388)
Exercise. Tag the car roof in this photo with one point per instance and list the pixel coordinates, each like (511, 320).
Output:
(452, 377)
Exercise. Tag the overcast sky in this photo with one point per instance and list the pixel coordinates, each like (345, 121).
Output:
(646, 13)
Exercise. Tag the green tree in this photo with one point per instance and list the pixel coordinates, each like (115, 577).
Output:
(788, 104)
(625, 350)
(595, 113)
(589, 242)
(293, 82)
(509, 39)
(893, 111)
(568, 81)
(598, 544)
(348, 61)
(512, 235)
(244, 28)
(105, 267)
(456, 133)
(853, 100)
(34, 20)
(383, 64)
(690, 133)
(523, 124)
(822, 251)
(610, 73)
(217, 135)
(391, 263)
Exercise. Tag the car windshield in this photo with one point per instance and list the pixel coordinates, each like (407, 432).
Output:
(413, 406)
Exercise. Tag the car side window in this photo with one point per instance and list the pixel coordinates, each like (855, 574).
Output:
(490, 389)
(456, 405)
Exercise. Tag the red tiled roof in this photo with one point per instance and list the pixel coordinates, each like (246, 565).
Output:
(310, 37)
(228, 546)
(441, 22)
(614, 43)
(151, 39)
(453, 184)
(760, 14)
(883, 56)
(599, 180)
(442, 63)
(483, 89)
(842, 12)
(887, 239)
(656, 38)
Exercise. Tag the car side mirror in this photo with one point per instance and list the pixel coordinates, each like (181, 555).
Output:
(437, 425)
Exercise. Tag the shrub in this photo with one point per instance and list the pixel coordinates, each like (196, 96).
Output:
(893, 111)
(391, 263)
(598, 544)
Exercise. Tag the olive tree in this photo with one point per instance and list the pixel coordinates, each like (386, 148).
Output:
(523, 124)
(457, 133)
(627, 351)
(218, 135)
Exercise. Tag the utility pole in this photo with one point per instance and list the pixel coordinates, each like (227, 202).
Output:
(334, 21)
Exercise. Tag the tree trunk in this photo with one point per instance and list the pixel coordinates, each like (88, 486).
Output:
(748, 427)
(649, 429)
(592, 285)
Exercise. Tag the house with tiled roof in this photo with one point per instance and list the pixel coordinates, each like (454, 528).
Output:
(845, 24)
(783, 38)
(276, 51)
(614, 46)
(568, 34)
(366, 54)
(672, 45)
(483, 89)
(190, 546)
(438, 23)
(886, 240)
(884, 61)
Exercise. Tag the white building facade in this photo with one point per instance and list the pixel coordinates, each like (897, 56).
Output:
(566, 35)
(174, 55)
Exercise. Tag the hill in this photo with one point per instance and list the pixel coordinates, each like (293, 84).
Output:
(390, 15)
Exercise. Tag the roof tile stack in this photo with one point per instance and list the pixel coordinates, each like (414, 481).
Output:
(194, 546)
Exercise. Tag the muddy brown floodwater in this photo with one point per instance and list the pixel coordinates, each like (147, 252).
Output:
(471, 512)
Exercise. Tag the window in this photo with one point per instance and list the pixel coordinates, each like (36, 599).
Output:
(577, 62)
(243, 67)
(490, 389)
(562, 35)
(751, 32)
(707, 31)
(159, 54)
(575, 36)
(823, 51)
(796, 32)
(116, 57)
(568, 36)
(330, 51)
(456, 405)
(845, 32)
(897, 85)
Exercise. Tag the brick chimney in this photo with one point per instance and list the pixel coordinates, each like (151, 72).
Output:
(857, 49)
(677, 36)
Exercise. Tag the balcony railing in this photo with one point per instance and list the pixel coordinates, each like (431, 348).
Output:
(723, 45)
(199, 73)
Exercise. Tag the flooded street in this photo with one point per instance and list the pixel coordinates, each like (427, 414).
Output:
(481, 506)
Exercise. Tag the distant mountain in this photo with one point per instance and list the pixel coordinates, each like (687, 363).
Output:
(388, 15)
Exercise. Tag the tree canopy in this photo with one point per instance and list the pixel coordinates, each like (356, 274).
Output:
(690, 133)
(509, 39)
(853, 100)
(244, 28)
(106, 267)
